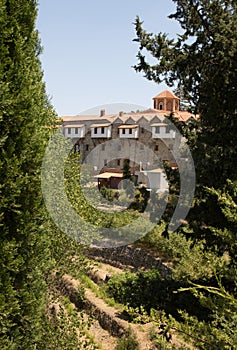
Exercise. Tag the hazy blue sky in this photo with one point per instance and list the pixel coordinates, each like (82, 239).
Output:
(88, 51)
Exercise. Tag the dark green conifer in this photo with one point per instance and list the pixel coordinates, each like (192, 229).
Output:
(202, 62)
(25, 119)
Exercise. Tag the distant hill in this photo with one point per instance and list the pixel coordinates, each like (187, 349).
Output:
(113, 108)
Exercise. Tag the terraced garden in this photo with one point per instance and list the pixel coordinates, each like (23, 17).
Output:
(109, 324)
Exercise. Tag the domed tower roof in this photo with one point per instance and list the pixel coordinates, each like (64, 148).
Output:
(166, 94)
(166, 101)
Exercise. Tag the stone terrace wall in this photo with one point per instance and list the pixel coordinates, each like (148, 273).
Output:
(129, 257)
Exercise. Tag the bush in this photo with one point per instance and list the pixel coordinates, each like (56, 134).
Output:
(190, 260)
(149, 290)
(109, 194)
(128, 343)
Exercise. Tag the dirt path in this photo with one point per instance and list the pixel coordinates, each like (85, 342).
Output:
(99, 272)
(109, 324)
(100, 335)
(108, 317)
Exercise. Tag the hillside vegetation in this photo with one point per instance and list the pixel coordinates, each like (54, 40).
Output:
(194, 306)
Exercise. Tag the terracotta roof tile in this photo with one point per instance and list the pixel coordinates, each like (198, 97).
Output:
(107, 175)
(78, 118)
(128, 126)
(135, 117)
(166, 94)
(73, 125)
(184, 115)
(100, 125)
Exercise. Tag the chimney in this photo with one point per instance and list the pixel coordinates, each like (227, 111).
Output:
(121, 114)
(102, 112)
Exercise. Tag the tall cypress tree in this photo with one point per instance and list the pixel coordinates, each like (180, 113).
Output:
(25, 117)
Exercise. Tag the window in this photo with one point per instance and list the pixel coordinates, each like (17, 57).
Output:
(161, 106)
(142, 130)
(123, 131)
(157, 130)
(118, 162)
(87, 147)
(95, 130)
(102, 130)
(76, 130)
(130, 131)
(156, 148)
(69, 131)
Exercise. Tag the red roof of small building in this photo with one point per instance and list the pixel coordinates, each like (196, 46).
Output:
(166, 94)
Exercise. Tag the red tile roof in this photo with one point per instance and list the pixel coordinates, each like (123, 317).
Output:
(166, 94)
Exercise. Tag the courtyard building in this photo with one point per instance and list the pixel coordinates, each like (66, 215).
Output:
(145, 140)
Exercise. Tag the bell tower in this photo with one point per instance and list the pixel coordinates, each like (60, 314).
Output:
(166, 101)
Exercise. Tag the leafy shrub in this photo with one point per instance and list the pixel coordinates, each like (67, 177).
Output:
(137, 314)
(147, 290)
(160, 341)
(140, 200)
(109, 194)
(191, 261)
(128, 343)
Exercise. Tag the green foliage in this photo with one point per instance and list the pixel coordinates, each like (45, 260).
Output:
(109, 194)
(126, 171)
(83, 206)
(67, 255)
(86, 206)
(160, 341)
(26, 118)
(202, 63)
(99, 290)
(219, 332)
(128, 342)
(65, 328)
(144, 291)
(189, 260)
(213, 220)
(140, 201)
(206, 60)
(225, 200)
(30, 246)
(137, 314)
